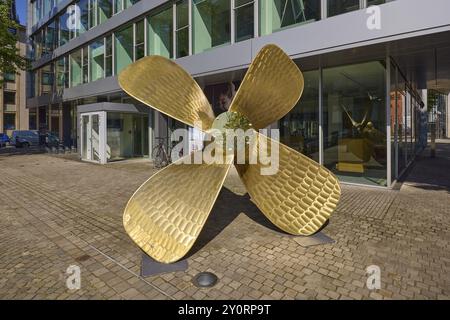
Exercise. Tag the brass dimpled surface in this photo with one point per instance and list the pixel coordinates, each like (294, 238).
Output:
(271, 87)
(166, 214)
(168, 88)
(299, 198)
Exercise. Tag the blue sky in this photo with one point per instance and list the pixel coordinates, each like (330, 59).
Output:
(22, 10)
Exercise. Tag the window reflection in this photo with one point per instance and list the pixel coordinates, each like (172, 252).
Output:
(299, 129)
(355, 122)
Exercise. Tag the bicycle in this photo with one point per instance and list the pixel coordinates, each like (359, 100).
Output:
(161, 156)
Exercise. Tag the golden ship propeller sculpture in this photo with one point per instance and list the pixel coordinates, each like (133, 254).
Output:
(166, 214)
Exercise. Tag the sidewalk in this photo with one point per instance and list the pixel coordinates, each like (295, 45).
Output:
(55, 212)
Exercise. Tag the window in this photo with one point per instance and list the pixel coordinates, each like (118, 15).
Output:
(139, 46)
(129, 3)
(279, 14)
(84, 16)
(46, 78)
(64, 32)
(9, 97)
(118, 5)
(60, 74)
(244, 19)
(38, 44)
(123, 48)
(160, 33)
(108, 56)
(92, 13)
(9, 77)
(211, 24)
(104, 10)
(85, 65)
(182, 29)
(9, 121)
(375, 2)
(336, 7)
(354, 122)
(75, 68)
(299, 129)
(97, 50)
(32, 119)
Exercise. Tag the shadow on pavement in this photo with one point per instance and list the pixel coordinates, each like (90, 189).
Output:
(227, 207)
(431, 174)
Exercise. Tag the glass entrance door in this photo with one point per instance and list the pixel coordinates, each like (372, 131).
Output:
(92, 138)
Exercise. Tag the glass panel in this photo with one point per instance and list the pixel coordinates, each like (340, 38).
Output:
(244, 19)
(104, 10)
(108, 56)
(75, 68)
(84, 16)
(401, 105)
(211, 24)
(46, 78)
(336, 7)
(32, 124)
(64, 32)
(160, 33)
(118, 6)
(85, 65)
(123, 48)
(279, 14)
(97, 50)
(354, 122)
(299, 129)
(9, 97)
(95, 138)
(9, 77)
(394, 122)
(182, 29)
(119, 140)
(50, 37)
(92, 13)
(9, 121)
(129, 3)
(408, 122)
(139, 46)
(60, 75)
(84, 137)
(375, 2)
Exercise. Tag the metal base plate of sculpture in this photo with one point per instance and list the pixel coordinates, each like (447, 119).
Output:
(166, 214)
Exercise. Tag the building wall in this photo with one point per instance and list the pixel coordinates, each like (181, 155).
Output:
(19, 88)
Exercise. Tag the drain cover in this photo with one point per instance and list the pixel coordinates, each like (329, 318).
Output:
(205, 280)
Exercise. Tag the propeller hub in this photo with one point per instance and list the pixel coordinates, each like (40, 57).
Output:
(234, 128)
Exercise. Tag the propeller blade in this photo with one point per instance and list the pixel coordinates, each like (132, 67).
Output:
(163, 85)
(168, 211)
(299, 197)
(271, 87)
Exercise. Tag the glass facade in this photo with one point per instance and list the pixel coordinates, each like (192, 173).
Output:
(353, 120)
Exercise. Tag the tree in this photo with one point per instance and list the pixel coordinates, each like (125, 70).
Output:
(10, 59)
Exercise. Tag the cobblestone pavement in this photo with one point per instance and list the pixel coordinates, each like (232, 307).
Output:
(56, 212)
